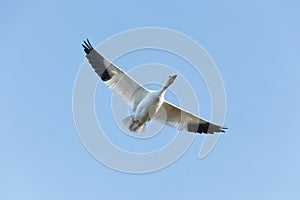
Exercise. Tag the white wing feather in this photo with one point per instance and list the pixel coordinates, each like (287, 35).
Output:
(116, 79)
(184, 120)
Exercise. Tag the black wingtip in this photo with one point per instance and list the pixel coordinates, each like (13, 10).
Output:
(206, 128)
(87, 47)
(223, 129)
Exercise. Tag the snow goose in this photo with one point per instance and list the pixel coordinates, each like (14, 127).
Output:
(146, 104)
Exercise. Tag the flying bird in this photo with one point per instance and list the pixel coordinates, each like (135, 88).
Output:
(146, 105)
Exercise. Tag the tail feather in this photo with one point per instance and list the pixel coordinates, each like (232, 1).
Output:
(141, 129)
(127, 120)
(133, 126)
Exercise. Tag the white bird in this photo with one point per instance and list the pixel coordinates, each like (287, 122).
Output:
(146, 104)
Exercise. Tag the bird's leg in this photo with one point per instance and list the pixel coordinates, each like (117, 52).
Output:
(131, 126)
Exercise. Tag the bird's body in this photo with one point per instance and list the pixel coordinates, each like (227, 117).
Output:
(147, 109)
(152, 100)
(146, 104)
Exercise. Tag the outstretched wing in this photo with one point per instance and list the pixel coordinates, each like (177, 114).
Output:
(116, 79)
(184, 120)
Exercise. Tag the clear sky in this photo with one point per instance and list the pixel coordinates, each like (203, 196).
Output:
(255, 45)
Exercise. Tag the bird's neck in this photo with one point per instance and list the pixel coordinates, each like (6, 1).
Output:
(166, 85)
(163, 90)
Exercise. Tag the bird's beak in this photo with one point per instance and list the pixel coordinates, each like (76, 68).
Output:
(173, 77)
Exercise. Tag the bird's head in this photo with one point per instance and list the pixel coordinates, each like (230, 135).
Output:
(170, 80)
(172, 77)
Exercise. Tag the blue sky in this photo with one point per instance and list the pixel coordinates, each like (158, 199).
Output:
(255, 45)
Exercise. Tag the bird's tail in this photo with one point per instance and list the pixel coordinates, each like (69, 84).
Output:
(132, 125)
